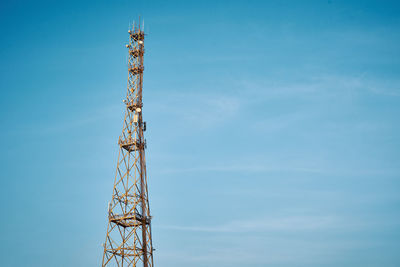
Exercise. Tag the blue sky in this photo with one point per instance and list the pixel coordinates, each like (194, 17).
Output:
(273, 130)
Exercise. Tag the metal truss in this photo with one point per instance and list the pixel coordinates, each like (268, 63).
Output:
(128, 240)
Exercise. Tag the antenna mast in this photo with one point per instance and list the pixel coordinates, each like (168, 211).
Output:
(128, 240)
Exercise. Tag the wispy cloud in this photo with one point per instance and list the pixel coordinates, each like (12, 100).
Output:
(270, 166)
(293, 223)
(62, 125)
(203, 110)
(288, 240)
(241, 167)
(322, 83)
(211, 110)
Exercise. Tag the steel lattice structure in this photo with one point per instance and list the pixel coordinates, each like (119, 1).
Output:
(128, 241)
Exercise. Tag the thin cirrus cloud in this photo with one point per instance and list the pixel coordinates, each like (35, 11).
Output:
(204, 110)
(285, 224)
(322, 83)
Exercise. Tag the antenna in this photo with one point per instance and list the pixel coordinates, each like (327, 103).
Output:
(132, 245)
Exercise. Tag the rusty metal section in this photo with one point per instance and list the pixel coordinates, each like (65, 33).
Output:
(128, 239)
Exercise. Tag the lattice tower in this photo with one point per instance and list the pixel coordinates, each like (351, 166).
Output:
(128, 240)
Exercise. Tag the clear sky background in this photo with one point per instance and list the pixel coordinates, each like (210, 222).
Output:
(273, 130)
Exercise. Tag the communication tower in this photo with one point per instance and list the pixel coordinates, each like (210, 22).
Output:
(128, 240)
